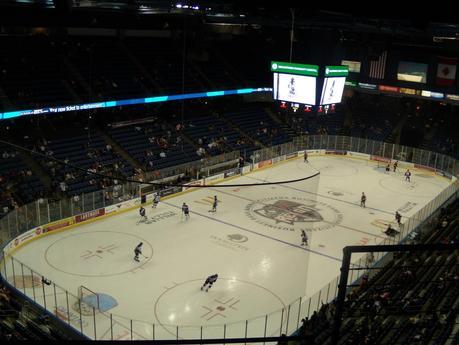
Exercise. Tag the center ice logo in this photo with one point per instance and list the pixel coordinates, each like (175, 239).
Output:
(293, 214)
(285, 211)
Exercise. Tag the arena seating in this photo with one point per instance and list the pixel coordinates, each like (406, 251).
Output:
(373, 118)
(104, 66)
(255, 122)
(19, 185)
(163, 61)
(66, 70)
(211, 134)
(86, 153)
(76, 145)
(19, 320)
(249, 59)
(445, 137)
(145, 142)
(331, 123)
(33, 80)
(413, 299)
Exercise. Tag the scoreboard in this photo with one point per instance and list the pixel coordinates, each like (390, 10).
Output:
(333, 86)
(294, 82)
(301, 84)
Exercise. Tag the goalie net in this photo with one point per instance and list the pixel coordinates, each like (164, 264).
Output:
(88, 297)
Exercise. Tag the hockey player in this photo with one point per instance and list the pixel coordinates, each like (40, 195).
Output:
(214, 205)
(398, 217)
(137, 251)
(408, 175)
(209, 281)
(241, 164)
(388, 167)
(395, 165)
(390, 231)
(363, 199)
(143, 216)
(305, 157)
(186, 211)
(304, 238)
(156, 200)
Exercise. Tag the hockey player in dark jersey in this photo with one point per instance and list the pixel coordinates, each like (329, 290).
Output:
(186, 211)
(143, 216)
(408, 175)
(214, 205)
(137, 251)
(304, 238)
(363, 200)
(209, 281)
(398, 217)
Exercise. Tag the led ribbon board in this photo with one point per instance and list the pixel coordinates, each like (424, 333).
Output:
(108, 104)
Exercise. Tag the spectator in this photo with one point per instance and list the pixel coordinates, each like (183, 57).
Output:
(63, 186)
(200, 152)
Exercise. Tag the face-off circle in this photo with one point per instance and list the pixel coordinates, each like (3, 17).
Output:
(97, 253)
(228, 301)
(423, 189)
(293, 213)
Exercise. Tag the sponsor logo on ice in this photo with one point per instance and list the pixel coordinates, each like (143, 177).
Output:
(290, 214)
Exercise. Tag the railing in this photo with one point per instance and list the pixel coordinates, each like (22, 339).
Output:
(44, 211)
(434, 160)
(104, 325)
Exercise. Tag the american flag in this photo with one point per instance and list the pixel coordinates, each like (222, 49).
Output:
(378, 67)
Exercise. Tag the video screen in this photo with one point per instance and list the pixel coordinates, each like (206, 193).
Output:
(295, 88)
(332, 91)
(412, 71)
(354, 66)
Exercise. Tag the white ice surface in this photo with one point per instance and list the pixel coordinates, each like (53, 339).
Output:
(261, 268)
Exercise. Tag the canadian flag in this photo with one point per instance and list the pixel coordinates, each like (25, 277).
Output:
(446, 72)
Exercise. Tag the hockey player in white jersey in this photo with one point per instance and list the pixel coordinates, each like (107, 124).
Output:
(408, 175)
(156, 200)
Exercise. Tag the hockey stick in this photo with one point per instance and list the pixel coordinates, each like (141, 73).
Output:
(146, 257)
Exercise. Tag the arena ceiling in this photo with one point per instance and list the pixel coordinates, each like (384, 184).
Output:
(430, 25)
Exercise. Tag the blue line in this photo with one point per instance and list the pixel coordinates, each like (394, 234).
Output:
(256, 233)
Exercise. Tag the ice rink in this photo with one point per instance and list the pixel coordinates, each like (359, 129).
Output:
(252, 241)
